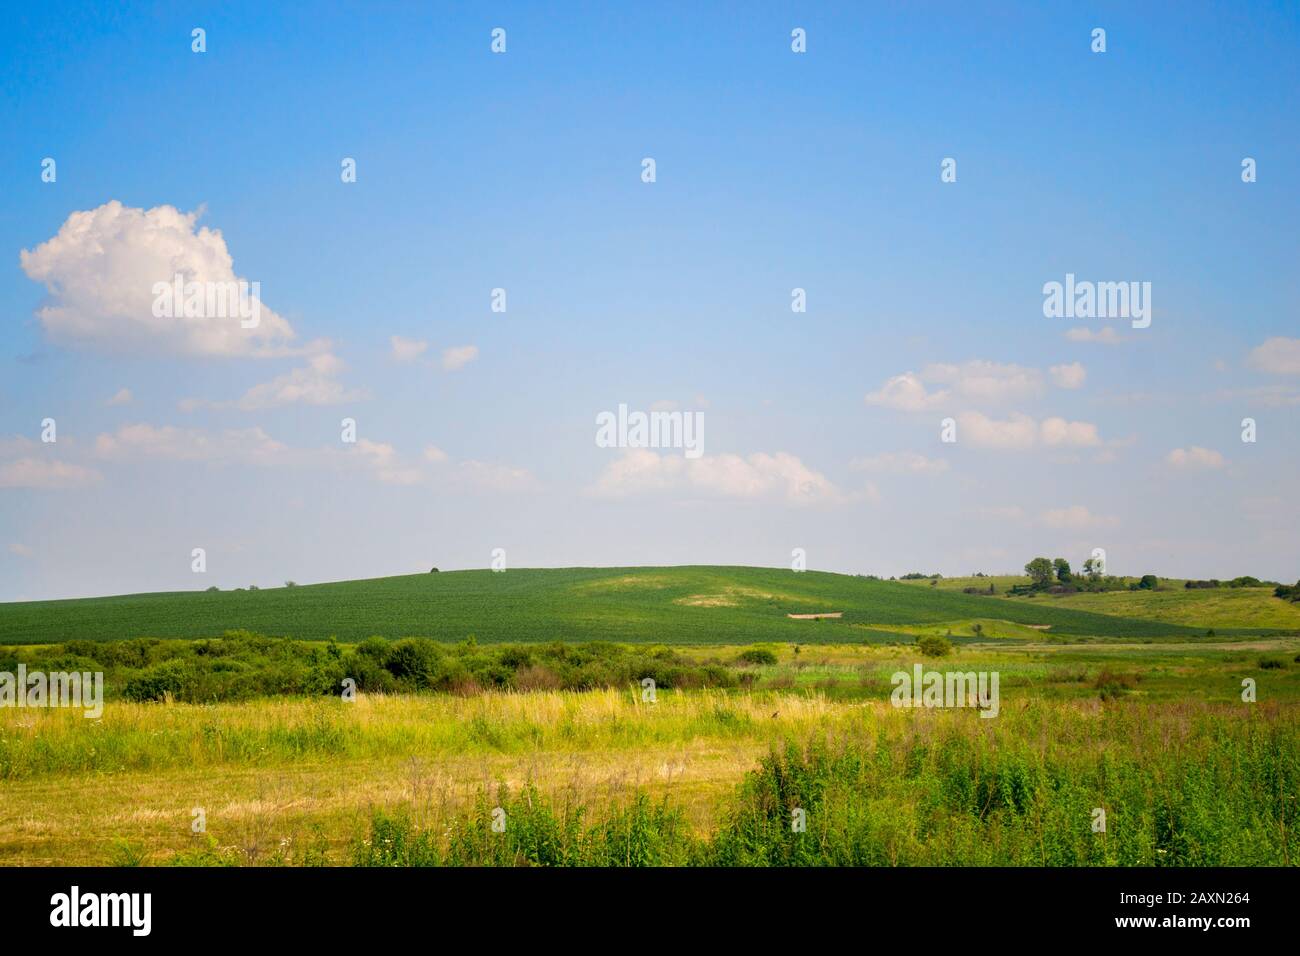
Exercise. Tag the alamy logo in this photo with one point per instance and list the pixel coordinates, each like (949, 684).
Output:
(58, 689)
(179, 299)
(1098, 300)
(134, 910)
(683, 430)
(946, 689)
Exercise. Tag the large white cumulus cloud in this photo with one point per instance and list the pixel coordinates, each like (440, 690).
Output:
(100, 270)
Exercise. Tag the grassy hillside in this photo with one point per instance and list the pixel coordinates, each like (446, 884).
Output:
(680, 605)
(1202, 608)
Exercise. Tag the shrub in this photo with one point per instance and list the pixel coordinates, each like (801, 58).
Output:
(759, 656)
(934, 646)
(1112, 684)
(412, 660)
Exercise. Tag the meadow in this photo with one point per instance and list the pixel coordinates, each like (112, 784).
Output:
(1156, 734)
(478, 698)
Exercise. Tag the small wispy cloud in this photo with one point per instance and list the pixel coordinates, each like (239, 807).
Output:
(458, 357)
(900, 463)
(1195, 457)
(1276, 356)
(1106, 335)
(407, 350)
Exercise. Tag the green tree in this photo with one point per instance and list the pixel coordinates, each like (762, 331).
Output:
(1040, 572)
(1063, 573)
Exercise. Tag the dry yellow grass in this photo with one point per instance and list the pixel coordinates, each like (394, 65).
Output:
(267, 773)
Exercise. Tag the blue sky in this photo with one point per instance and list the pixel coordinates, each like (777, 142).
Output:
(775, 170)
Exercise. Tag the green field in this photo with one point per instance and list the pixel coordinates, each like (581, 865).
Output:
(673, 605)
(1117, 701)
(1218, 608)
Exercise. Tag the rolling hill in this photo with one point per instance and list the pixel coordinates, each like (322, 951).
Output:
(671, 605)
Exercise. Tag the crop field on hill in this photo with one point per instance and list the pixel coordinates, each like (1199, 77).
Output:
(677, 605)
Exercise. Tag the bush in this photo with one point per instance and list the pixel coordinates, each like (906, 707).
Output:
(1113, 685)
(243, 665)
(934, 646)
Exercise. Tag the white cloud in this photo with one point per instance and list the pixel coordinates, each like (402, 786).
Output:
(1068, 376)
(100, 270)
(1021, 431)
(249, 445)
(779, 476)
(977, 429)
(1106, 335)
(17, 445)
(976, 381)
(459, 356)
(1195, 457)
(986, 382)
(906, 393)
(407, 350)
(1057, 431)
(473, 475)
(123, 397)
(1277, 356)
(900, 463)
(20, 549)
(252, 446)
(382, 460)
(1076, 518)
(45, 474)
(314, 384)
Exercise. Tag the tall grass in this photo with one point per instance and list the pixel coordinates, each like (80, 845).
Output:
(278, 731)
(1185, 784)
(1179, 786)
